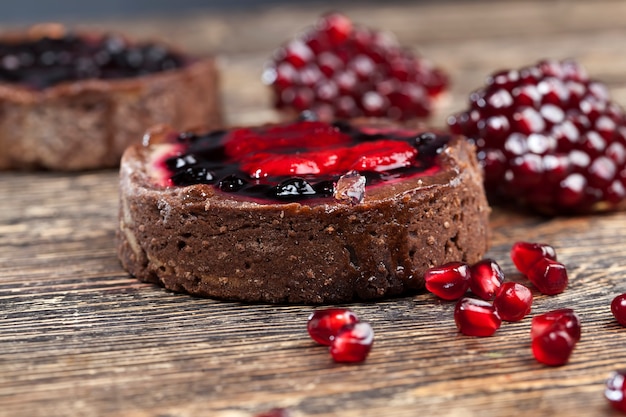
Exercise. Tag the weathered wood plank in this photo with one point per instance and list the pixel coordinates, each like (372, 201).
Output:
(79, 337)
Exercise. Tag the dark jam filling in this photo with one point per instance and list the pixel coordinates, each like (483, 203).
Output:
(223, 158)
(48, 61)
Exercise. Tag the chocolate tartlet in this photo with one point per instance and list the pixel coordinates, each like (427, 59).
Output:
(75, 101)
(306, 212)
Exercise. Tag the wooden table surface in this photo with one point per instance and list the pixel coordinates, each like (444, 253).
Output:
(79, 337)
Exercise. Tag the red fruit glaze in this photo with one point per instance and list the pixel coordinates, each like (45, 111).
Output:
(340, 70)
(548, 137)
(550, 277)
(525, 254)
(564, 318)
(352, 343)
(324, 324)
(449, 281)
(513, 301)
(618, 308)
(615, 390)
(298, 161)
(486, 278)
(475, 317)
(303, 135)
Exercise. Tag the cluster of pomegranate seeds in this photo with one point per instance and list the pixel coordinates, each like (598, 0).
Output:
(548, 136)
(348, 338)
(340, 70)
(538, 262)
(618, 308)
(615, 390)
(474, 317)
(485, 279)
(554, 336)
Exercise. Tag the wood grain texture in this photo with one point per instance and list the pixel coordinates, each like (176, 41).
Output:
(78, 337)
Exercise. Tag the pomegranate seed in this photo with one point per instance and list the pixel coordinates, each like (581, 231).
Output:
(337, 26)
(486, 277)
(550, 277)
(513, 302)
(615, 390)
(449, 281)
(324, 324)
(554, 336)
(352, 343)
(618, 308)
(475, 317)
(553, 347)
(525, 254)
(564, 318)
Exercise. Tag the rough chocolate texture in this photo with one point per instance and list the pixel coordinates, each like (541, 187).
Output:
(196, 240)
(88, 124)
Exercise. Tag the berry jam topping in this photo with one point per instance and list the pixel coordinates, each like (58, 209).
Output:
(302, 160)
(340, 70)
(46, 61)
(550, 137)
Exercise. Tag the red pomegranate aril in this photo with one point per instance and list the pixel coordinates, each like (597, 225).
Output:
(474, 317)
(352, 343)
(549, 276)
(526, 254)
(618, 308)
(324, 324)
(564, 318)
(449, 281)
(553, 347)
(513, 301)
(486, 278)
(554, 336)
(336, 26)
(615, 390)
